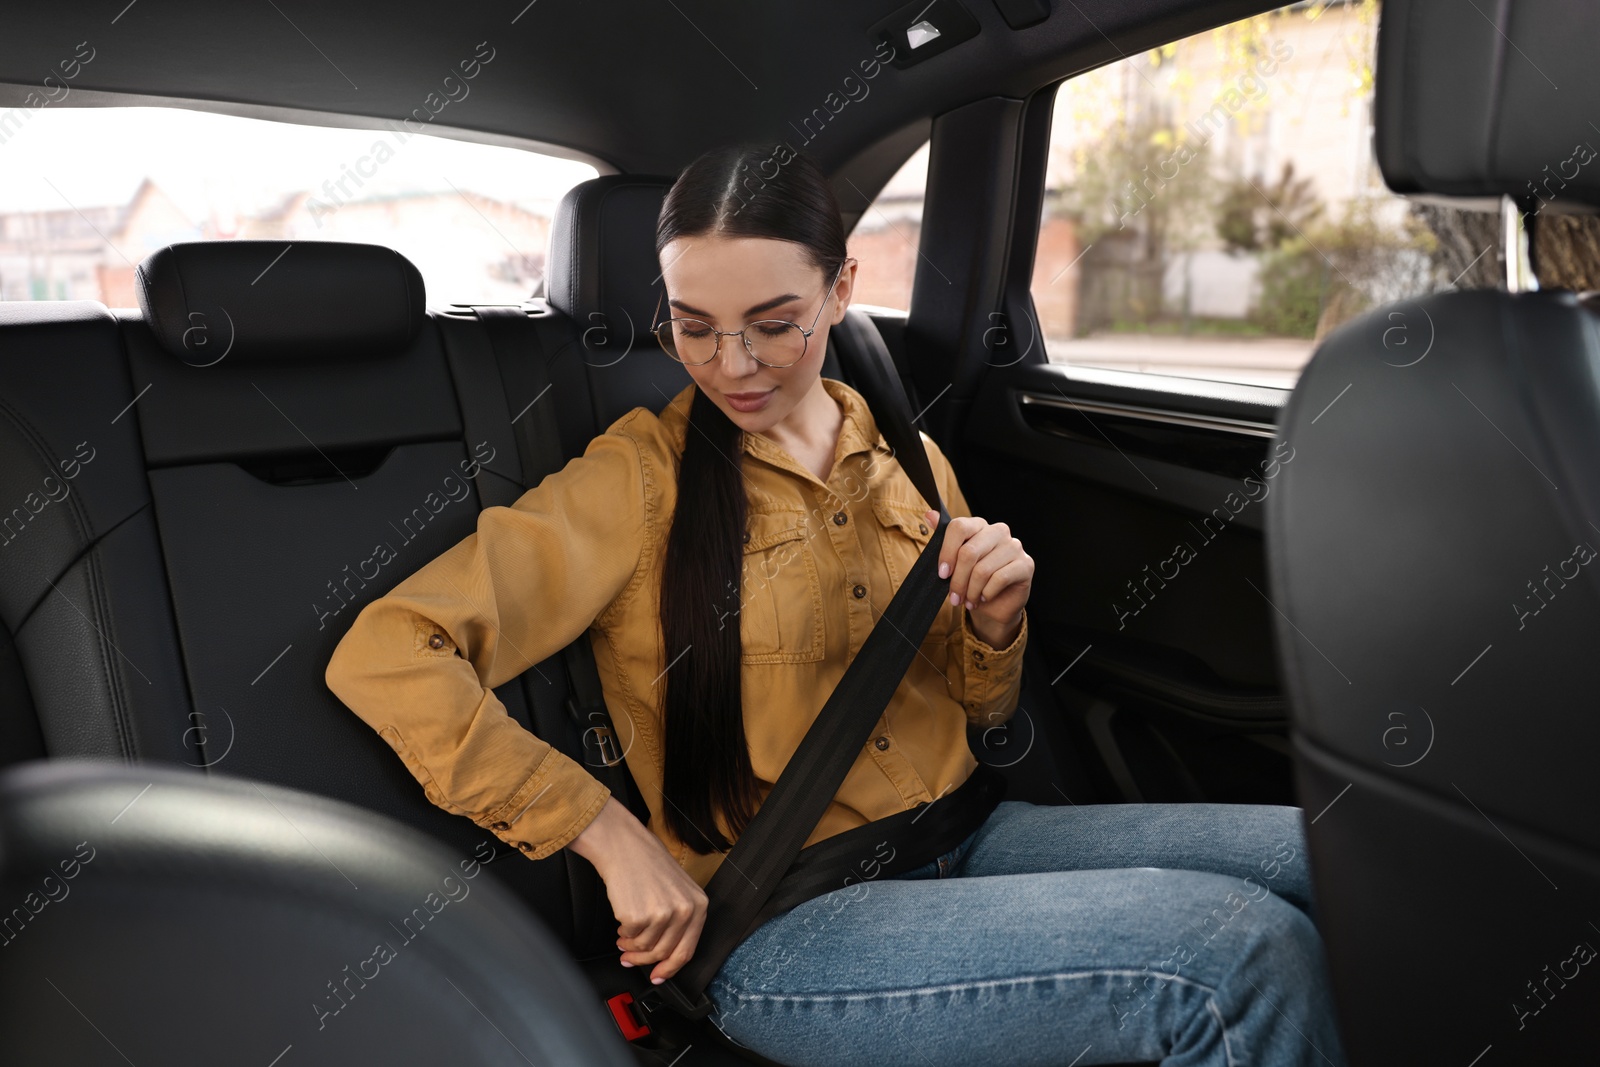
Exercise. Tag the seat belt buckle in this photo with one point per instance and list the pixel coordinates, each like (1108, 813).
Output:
(599, 739)
(626, 1014)
(669, 995)
(603, 741)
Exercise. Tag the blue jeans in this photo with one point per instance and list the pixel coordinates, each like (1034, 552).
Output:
(1054, 936)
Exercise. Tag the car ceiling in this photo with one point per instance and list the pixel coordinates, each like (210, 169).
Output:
(629, 86)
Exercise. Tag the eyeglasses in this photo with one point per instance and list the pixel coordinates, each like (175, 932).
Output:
(773, 343)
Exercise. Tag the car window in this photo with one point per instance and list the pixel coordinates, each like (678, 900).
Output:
(86, 193)
(886, 238)
(1213, 206)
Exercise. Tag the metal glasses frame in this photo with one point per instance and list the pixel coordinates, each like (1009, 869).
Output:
(716, 350)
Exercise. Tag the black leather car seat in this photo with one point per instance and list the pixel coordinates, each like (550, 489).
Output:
(196, 495)
(157, 915)
(1432, 559)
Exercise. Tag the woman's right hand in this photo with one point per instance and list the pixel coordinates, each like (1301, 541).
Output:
(660, 910)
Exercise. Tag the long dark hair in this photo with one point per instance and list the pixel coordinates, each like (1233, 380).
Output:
(735, 191)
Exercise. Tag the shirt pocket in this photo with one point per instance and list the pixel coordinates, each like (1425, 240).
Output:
(780, 611)
(904, 533)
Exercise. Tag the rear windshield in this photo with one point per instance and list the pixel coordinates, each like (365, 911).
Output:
(86, 193)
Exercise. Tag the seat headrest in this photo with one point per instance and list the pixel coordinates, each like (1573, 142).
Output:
(280, 299)
(1467, 101)
(603, 266)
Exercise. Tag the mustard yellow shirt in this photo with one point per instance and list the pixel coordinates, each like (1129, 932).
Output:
(582, 552)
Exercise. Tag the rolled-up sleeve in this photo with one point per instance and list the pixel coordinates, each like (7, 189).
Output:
(419, 664)
(989, 679)
(993, 675)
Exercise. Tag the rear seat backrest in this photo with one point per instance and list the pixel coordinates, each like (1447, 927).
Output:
(82, 594)
(605, 278)
(251, 485)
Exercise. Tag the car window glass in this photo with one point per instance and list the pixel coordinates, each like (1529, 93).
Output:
(886, 238)
(86, 193)
(1213, 206)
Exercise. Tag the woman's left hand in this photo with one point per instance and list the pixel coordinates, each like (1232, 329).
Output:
(989, 573)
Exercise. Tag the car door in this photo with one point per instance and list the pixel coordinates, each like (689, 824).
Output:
(1117, 281)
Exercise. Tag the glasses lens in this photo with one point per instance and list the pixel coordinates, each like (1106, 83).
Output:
(775, 342)
(687, 340)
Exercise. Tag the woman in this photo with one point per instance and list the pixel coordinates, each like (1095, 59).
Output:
(1051, 935)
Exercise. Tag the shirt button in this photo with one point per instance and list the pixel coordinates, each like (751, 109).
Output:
(436, 641)
(840, 518)
(977, 653)
(983, 666)
(500, 827)
(922, 527)
(524, 846)
(860, 591)
(747, 537)
(882, 743)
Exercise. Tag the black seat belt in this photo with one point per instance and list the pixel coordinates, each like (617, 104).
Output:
(518, 351)
(742, 888)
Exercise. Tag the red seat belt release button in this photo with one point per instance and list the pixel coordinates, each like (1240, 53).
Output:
(623, 1012)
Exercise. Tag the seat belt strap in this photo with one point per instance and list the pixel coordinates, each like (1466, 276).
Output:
(520, 356)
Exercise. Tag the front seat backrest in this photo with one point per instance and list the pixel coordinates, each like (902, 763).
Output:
(1433, 562)
(159, 916)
